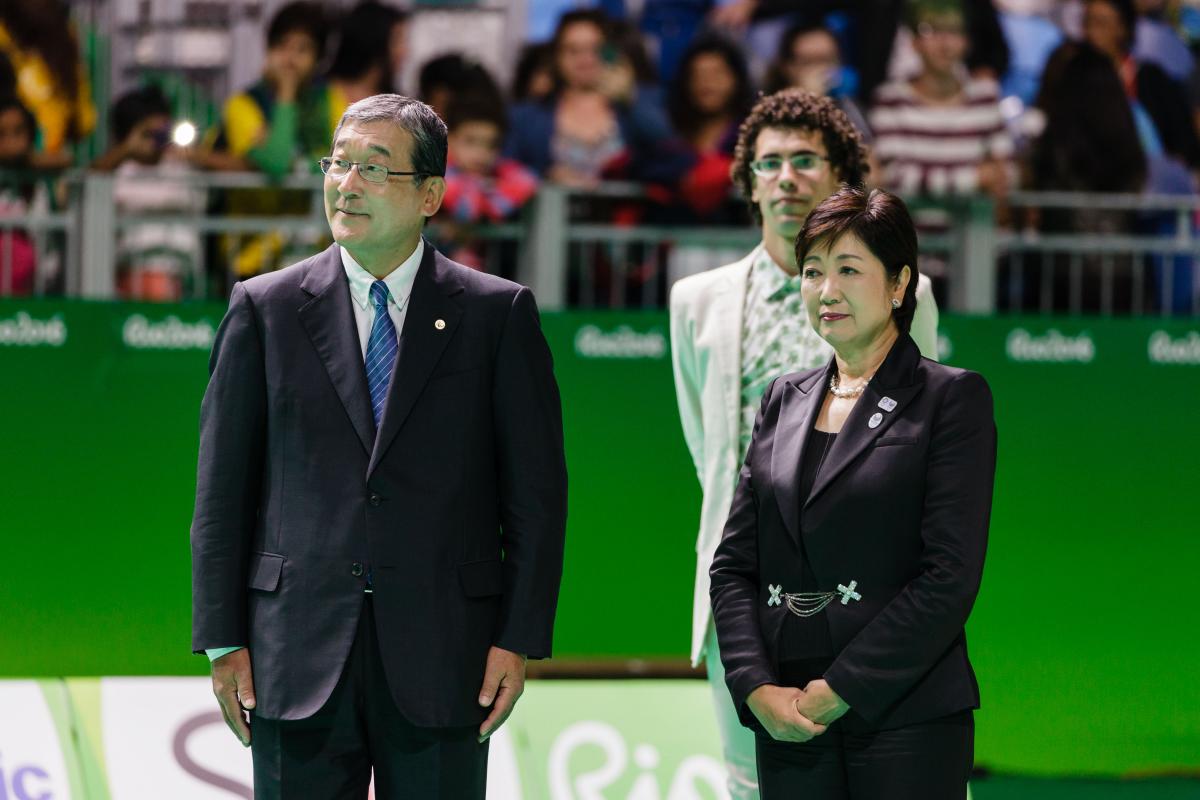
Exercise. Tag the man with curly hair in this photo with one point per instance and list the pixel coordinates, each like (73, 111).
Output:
(735, 328)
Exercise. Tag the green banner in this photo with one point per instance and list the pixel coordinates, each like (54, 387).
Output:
(1079, 635)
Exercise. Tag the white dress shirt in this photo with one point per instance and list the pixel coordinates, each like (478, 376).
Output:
(400, 284)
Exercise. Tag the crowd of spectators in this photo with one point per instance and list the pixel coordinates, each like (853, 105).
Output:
(956, 97)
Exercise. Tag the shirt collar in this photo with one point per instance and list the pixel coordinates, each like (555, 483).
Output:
(777, 283)
(399, 281)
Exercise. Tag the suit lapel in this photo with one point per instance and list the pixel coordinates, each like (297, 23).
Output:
(422, 343)
(798, 410)
(895, 379)
(329, 320)
(728, 306)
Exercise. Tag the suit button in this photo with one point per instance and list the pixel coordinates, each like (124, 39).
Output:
(376, 499)
(356, 569)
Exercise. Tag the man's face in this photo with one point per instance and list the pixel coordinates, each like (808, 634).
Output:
(474, 146)
(16, 140)
(941, 42)
(378, 219)
(813, 62)
(149, 139)
(786, 199)
(293, 57)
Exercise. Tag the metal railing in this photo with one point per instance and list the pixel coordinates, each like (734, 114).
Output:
(1055, 252)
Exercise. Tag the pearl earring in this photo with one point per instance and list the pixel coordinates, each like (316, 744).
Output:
(895, 303)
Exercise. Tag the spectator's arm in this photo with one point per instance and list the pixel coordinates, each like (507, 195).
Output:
(274, 155)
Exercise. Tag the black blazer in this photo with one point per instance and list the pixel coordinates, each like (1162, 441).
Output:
(901, 508)
(457, 506)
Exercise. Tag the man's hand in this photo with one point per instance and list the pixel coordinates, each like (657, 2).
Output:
(234, 687)
(821, 703)
(503, 683)
(777, 709)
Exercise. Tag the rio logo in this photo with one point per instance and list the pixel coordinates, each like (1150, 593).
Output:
(24, 782)
(694, 772)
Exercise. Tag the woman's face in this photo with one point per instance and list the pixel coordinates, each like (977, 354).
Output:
(848, 294)
(578, 55)
(712, 83)
(1103, 28)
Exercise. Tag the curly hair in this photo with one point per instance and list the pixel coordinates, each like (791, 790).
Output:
(796, 108)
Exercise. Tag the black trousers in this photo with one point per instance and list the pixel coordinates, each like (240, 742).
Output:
(330, 755)
(927, 761)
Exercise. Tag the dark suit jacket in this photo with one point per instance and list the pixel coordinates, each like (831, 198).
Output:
(901, 508)
(457, 506)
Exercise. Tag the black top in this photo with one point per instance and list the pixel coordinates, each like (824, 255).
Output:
(901, 509)
(807, 638)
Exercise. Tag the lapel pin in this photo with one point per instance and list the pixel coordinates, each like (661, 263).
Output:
(887, 404)
(875, 419)
(440, 324)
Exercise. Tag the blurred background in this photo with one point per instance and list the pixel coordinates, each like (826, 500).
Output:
(154, 152)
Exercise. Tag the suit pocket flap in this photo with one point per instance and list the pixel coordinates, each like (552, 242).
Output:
(887, 441)
(481, 578)
(265, 569)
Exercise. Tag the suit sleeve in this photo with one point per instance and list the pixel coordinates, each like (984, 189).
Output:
(687, 380)
(924, 330)
(911, 633)
(532, 479)
(734, 588)
(228, 478)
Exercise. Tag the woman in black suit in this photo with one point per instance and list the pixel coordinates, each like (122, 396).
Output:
(855, 543)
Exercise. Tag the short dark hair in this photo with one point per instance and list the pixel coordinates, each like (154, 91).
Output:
(477, 106)
(412, 116)
(797, 108)
(881, 221)
(303, 17)
(457, 73)
(365, 36)
(133, 107)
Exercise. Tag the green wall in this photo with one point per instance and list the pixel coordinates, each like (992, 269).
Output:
(1081, 636)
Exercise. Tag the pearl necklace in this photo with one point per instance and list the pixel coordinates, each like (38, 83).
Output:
(837, 391)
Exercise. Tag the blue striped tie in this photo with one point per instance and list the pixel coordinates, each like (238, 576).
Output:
(381, 350)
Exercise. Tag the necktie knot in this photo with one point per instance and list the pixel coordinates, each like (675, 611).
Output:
(379, 294)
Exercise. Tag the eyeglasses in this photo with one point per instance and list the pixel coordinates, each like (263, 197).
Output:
(771, 166)
(372, 173)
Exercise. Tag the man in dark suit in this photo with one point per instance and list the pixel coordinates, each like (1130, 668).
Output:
(381, 495)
